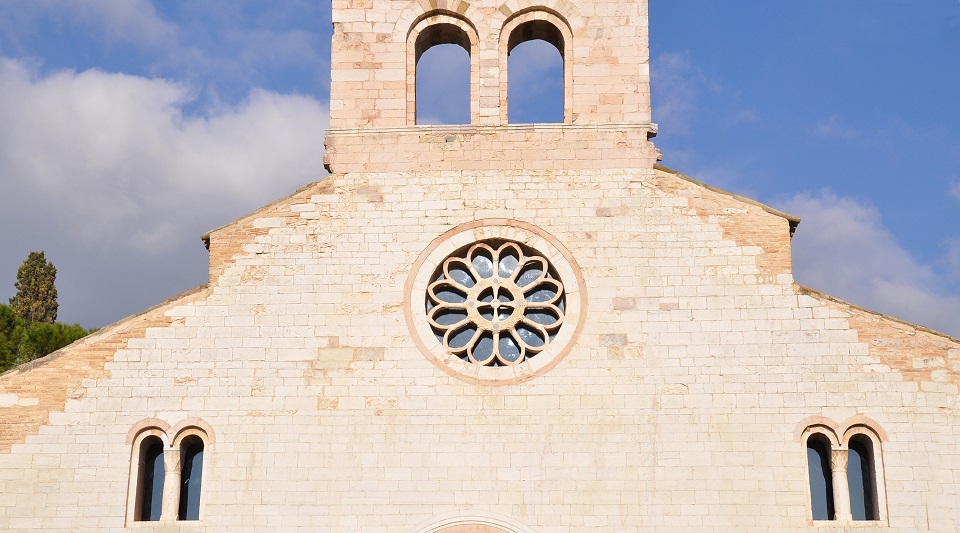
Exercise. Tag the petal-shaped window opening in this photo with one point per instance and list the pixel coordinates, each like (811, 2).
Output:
(530, 273)
(531, 336)
(483, 351)
(447, 316)
(544, 316)
(447, 293)
(461, 338)
(482, 261)
(459, 272)
(547, 291)
(509, 259)
(509, 348)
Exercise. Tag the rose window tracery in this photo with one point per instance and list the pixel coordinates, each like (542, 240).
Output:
(495, 303)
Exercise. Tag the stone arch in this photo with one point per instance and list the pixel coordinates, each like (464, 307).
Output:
(861, 427)
(564, 9)
(537, 22)
(418, 9)
(441, 27)
(172, 439)
(191, 426)
(820, 442)
(154, 426)
(851, 424)
(139, 489)
(820, 424)
(472, 522)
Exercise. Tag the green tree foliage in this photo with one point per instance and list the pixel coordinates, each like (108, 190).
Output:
(21, 342)
(36, 298)
(28, 326)
(9, 340)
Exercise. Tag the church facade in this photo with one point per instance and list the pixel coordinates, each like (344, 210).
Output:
(491, 327)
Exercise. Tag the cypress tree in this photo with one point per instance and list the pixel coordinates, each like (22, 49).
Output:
(36, 298)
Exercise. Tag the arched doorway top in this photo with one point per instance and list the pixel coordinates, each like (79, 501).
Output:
(472, 521)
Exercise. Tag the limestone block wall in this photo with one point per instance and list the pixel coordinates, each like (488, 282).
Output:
(373, 58)
(466, 148)
(679, 408)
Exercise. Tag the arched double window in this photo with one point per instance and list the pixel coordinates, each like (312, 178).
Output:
(150, 478)
(862, 475)
(535, 46)
(191, 475)
(820, 474)
(442, 71)
(844, 476)
(166, 474)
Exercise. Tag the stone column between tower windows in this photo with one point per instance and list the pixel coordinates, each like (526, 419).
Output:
(171, 485)
(841, 492)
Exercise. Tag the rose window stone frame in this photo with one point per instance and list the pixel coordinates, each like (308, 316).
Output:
(495, 301)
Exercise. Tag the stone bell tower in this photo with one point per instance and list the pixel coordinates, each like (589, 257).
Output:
(606, 76)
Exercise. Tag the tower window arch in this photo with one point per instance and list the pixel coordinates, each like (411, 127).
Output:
(820, 474)
(191, 474)
(147, 475)
(844, 475)
(151, 479)
(166, 479)
(442, 71)
(535, 50)
(865, 474)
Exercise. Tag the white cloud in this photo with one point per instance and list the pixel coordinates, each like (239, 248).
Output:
(843, 249)
(134, 21)
(835, 127)
(955, 191)
(443, 86)
(953, 258)
(113, 158)
(675, 103)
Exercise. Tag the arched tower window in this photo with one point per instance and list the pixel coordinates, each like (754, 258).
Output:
(819, 467)
(442, 73)
(167, 459)
(150, 479)
(535, 83)
(535, 74)
(191, 462)
(865, 473)
(845, 475)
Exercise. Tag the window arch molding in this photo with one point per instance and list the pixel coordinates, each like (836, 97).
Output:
(192, 426)
(433, 29)
(530, 24)
(148, 424)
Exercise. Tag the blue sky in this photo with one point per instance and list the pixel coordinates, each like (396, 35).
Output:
(128, 128)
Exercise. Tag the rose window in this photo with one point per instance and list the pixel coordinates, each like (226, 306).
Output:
(495, 303)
